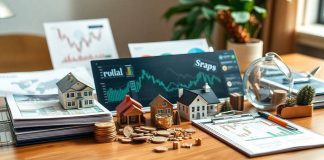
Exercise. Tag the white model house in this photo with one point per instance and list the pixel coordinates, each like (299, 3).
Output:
(74, 93)
(197, 104)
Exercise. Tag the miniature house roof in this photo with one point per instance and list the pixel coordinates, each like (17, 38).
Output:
(69, 80)
(158, 100)
(189, 96)
(127, 103)
(133, 109)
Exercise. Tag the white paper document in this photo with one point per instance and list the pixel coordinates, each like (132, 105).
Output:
(259, 136)
(38, 82)
(168, 47)
(75, 43)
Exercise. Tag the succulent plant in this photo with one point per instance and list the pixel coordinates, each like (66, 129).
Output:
(226, 106)
(305, 95)
(290, 101)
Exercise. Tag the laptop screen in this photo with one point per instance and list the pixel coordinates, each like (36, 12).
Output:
(145, 78)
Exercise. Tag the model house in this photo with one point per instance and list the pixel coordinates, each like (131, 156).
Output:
(197, 104)
(160, 105)
(129, 112)
(74, 93)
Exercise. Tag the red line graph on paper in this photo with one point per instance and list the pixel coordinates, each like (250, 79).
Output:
(83, 42)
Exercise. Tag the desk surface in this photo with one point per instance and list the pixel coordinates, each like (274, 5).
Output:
(212, 148)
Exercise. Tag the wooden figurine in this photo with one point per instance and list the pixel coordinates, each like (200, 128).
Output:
(176, 118)
(160, 105)
(129, 112)
(74, 93)
(197, 104)
(300, 106)
(237, 101)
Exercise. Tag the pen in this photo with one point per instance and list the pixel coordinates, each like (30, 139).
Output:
(276, 120)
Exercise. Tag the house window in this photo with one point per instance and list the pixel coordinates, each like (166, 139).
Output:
(86, 102)
(198, 108)
(197, 99)
(193, 116)
(85, 93)
(193, 109)
(68, 103)
(90, 93)
(164, 104)
(168, 110)
(79, 94)
(73, 103)
(203, 108)
(133, 118)
(203, 114)
(67, 95)
(90, 102)
(160, 111)
(72, 95)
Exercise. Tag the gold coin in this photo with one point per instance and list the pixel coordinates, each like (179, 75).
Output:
(160, 149)
(164, 133)
(104, 124)
(128, 130)
(159, 139)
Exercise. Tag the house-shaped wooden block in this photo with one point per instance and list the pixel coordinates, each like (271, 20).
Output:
(74, 93)
(129, 112)
(160, 105)
(197, 104)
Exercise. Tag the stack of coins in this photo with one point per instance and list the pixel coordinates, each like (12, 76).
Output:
(105, 132)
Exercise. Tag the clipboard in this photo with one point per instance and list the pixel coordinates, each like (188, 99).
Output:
(255, 136)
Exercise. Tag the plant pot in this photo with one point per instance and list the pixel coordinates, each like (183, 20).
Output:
(295, 111)
(246, 53)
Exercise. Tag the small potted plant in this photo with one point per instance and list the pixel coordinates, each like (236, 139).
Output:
(242, 20)
(301, 106)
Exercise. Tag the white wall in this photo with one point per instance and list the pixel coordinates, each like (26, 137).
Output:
(131, 20)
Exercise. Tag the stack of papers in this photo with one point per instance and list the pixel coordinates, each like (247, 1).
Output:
(36, 113)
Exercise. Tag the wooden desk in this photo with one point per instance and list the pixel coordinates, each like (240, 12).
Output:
(87, 149)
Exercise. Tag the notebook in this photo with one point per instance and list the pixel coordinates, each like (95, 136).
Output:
(255, 136)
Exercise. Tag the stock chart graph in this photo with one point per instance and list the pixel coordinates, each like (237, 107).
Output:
(146, 77)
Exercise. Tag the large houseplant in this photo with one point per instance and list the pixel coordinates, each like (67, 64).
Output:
(242, 20)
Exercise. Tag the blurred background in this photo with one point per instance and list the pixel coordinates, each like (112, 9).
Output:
(289, 26)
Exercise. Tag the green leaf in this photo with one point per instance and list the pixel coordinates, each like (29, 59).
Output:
(178, 34)
(240, 16)
(208, 13)
(222, 7)
(177, 10)
(188, 1)
(209, 30)
(198, 29)
(181, 22)
(261, 13)
(242, 5)
(192, 15)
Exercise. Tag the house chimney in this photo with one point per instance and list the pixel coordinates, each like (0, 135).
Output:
(206, 88)
(180, 92)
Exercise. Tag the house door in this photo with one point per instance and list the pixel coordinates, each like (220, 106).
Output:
(80, 103)
(198, 115)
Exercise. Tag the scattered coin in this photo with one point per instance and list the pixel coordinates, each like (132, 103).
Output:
(190, 130)
(140, 139)
(160, 149)
(164, 133)
(148, 128)
(159, 139)
(125, 140)
(137, 135)
(128, 130)
(186, 145)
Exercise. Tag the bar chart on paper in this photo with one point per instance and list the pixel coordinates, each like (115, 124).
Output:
(74, 43)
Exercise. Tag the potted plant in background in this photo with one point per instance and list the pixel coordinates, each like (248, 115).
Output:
(242, 20)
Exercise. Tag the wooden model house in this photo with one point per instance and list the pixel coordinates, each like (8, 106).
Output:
(160, 105)
(197, 104)
(129, 112)
(74, 93)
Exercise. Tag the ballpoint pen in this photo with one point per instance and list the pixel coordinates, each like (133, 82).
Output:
(276, 120)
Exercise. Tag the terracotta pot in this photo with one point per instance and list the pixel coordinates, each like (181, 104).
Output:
(295, 111)
(246, 53)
